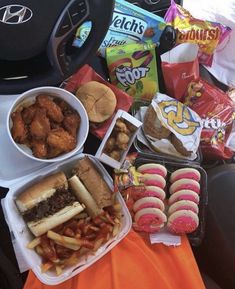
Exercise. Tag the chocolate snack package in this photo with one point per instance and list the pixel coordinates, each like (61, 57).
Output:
(133, 69)
(208, 35)
(179, 67)
(130, 24)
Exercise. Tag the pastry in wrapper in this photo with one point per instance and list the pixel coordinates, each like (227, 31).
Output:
(172, 127)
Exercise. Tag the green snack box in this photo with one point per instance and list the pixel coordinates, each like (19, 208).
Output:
(133, 68)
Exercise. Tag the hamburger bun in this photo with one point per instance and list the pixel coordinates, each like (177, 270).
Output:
(98, 100)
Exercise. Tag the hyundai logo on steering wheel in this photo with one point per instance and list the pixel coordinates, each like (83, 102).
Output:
(15, 14)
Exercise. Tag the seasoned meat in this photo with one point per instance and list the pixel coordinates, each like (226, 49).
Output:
(39, 148)
(40, 125)
(71, 123)
(54, 112)
(59, 200)
(28, 113)
(19, 130)
(60, 139)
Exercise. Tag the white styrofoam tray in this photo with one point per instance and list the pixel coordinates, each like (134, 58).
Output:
(23, 235)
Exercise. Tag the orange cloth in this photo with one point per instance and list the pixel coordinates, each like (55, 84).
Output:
(136, 264)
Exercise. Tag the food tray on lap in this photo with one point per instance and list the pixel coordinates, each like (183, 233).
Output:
(148, 152)
(22, 235)
(196, 237)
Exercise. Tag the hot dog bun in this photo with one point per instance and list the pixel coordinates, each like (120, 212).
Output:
(47, 204)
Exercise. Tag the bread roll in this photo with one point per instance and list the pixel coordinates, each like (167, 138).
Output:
(98, 100)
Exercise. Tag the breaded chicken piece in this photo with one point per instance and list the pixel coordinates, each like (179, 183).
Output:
(40, 126)
(60, 139)
(54, 112)
(28, 113)
(71, 123)
(19, 130)
(39, 148)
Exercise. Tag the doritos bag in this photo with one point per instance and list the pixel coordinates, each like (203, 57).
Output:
(216, 110)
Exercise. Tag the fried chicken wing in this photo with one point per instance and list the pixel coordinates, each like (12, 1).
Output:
(60, 139)
(19, 130)
(40, 126)
(39, 148)
(65, 107)
(28, 113)
(54, 112)
(71, 123)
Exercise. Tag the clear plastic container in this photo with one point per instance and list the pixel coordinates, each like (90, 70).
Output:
(196, 237)
(23, 236)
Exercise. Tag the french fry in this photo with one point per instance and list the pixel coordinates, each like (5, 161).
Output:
(98, 243)
(69, 246)
(35, 242)
(58, 270)
(115, 230)
(72, 260)
(63, 239)
(117, 207)
(46, 266)
(39, 250)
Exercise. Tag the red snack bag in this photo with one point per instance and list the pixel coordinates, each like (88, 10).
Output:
(216, 110)
(87, 73)
(179, 67)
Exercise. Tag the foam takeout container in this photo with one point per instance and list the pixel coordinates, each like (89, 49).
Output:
(23, 236)
(102, 156)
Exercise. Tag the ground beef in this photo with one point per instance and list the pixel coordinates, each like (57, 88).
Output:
(59, 200)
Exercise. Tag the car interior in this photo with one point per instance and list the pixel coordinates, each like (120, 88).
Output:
(30, 58)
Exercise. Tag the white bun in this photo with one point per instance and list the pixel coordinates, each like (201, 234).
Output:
(84, 196)
(41, 191)
(40, 227)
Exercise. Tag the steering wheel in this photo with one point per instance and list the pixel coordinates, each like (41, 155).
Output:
(36, 40)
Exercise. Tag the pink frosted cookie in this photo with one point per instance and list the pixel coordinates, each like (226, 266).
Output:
(152, 180)
(148, 191)
(147, 228)
(186, 173)
(184, 195)
(148, 202)
(185, 184)
(150, 218)
(153, 169)
(182, 222)
(183, 205)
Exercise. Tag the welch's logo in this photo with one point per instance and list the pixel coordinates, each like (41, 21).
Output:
(127, 24)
